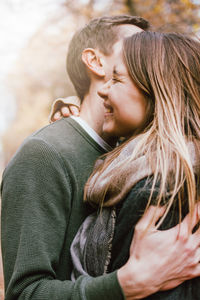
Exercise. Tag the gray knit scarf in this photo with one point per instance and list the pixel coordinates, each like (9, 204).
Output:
(91, 248)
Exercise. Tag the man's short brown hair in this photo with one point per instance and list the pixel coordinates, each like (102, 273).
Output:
(100, 33)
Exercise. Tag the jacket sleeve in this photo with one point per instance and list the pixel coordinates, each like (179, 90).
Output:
(36, 205)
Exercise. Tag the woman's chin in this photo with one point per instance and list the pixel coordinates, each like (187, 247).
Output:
(108, 129)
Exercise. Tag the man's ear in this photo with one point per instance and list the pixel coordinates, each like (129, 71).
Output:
(93, 61)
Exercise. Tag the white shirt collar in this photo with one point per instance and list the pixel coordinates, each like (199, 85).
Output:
(92, 133)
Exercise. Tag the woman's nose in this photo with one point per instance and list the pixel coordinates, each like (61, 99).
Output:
(103, 91)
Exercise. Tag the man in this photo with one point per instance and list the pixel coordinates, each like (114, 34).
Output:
(42, 193)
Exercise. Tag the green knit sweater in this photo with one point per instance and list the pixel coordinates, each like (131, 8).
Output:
(42, 208)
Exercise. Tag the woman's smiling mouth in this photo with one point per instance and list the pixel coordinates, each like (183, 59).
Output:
(108, 109)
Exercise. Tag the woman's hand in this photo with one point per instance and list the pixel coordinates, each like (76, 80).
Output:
(64, 107)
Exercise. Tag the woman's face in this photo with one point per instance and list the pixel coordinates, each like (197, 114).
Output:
(125, 105)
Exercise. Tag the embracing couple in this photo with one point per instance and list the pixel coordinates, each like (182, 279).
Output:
(139, 90)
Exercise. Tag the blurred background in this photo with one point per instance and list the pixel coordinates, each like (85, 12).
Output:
(34, 40)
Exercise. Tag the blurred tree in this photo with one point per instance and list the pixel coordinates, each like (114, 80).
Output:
(171, 15)
(38, 78)
(40, 74)
(176, 15)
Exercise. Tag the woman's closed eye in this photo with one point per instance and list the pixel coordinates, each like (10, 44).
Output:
(115, 79)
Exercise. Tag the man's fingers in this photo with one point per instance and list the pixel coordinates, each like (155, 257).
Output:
(189, 223)
(150, 217)
(198, 257)
(195, 217)
(196, 272)
(74, 110)
(159, 212)
(171, 284)
(193, 269)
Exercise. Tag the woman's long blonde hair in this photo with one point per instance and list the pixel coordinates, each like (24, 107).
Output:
(166, 68)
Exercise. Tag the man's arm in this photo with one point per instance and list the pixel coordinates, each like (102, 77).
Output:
(35, 216)
(161, 260)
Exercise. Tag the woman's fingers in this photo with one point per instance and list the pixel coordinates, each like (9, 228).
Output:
(56, 116)
(64, 107)
(65, 111)
(75, 111)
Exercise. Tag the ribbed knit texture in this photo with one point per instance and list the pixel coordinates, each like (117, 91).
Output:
(42, 209)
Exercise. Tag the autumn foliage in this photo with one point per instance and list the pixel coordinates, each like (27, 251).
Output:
(40, 76)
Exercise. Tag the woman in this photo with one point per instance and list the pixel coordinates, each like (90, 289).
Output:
(158, 80)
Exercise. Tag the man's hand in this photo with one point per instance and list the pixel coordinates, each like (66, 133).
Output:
(64, 107)
(161, 260)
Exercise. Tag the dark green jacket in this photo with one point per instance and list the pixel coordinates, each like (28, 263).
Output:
(42, 208)
(129, 212)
